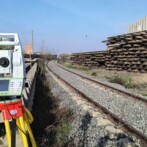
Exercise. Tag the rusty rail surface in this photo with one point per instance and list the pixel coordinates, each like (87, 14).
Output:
(108, 86)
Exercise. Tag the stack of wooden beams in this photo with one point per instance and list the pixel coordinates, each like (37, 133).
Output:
(89, 59)
(127, 52)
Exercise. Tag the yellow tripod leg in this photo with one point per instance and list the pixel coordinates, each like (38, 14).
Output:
(29, 131)
(28, 115)
(8, 132)
(19, 127)
(22, 126)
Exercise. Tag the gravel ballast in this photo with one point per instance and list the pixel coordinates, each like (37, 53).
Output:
(133, 112)
(87, 129)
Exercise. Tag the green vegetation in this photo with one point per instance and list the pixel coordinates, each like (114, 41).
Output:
(52, 123)
(93, 74)
(62, 132)
(144, 94)
(141, 86)
(77, 67)
(122, 80)
(128, 82)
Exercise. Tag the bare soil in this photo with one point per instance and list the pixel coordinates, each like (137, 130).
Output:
(102, 73)
(139, 79)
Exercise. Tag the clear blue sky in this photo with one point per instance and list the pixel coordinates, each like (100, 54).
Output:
(69, 25)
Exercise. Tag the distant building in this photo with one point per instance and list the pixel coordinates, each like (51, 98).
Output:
(28, 49)
(140, 25)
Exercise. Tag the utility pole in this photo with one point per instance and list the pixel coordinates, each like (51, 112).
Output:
(42, 47)
(32, 48)
(32, 41)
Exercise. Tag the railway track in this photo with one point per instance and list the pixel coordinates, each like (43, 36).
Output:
(113, 89)
(114, 117)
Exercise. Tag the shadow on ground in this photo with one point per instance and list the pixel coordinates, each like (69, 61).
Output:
(51, 124)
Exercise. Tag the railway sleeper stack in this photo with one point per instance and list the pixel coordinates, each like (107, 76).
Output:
(89, 59)
(127, 52)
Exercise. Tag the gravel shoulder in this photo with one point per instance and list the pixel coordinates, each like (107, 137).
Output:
(139, 79)
(134, 112)
(89, 127)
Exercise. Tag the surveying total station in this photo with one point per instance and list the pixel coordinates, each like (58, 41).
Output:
(12, 79)
(12, 67)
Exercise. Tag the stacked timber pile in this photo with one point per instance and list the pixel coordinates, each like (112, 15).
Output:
(89, 59)
(127, 52)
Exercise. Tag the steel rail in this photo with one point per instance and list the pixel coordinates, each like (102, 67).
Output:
(108, 86)
(114, 117)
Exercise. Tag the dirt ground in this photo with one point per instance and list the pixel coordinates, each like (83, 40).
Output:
(138, 79)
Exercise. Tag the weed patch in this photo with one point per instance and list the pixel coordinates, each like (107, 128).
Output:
(77, 67)
(51, 124)
(122, 80)
(93, 74)
(144, 94)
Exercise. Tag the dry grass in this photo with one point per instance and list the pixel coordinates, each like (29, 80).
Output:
(135, 81)
(51, 124)
(77, 67)
(125, 81)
